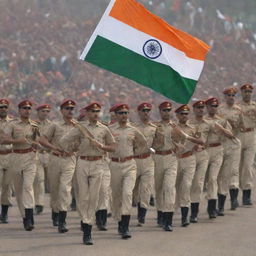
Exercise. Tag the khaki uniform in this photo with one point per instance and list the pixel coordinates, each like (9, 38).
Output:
(202, 130)
(23, 163)
(89, 168)
(186, 168)
(215, 153)
(229, 172)
(42, 164)
(145, 167)
(123, 167)
(60, 169)
(5, 179)
(165, 169)
(248, 145)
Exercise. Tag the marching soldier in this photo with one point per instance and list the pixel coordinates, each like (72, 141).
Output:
(202, 129)
(5, 152)
(229, 173)
(145, 164)
(23, 134)
(94, 139)
(215, 152)
(123, 167)
(248, 145)
(186, 163)
(61, 166)
(43, 158)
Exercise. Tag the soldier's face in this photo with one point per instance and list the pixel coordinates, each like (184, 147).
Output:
(25, 112)
(67, 112)
(199, 111)
(3, 111)
(144, 114)
(43, 113)
(182, 117)
(93, 114)
(212, 109)
(246, 95)
(165, 114)
(122, 116)
(230, 98)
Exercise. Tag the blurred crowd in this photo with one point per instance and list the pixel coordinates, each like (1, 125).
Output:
(40, 47)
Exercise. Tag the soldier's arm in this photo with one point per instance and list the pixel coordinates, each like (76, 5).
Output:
(227, 133)
(140, 141)
(67, 140)
(110, 144)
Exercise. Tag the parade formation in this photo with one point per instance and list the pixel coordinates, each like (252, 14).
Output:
(204, 146)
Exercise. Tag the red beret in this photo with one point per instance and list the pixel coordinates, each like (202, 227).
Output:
(112, 108)
(230, 90)
(165, 105)
(93, 105)
(144, 105)
(67, 103)
(25, 103)
(199, 103)
(182, 109)
(4, 102)
(246, 87)
(212, 101)
(118, 107)
(42, 106)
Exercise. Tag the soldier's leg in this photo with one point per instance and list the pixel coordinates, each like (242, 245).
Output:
(39, 188)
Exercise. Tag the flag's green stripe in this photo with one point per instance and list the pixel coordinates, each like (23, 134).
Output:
(161, 78)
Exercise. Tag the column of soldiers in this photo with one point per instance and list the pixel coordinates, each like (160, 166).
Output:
(122, 162)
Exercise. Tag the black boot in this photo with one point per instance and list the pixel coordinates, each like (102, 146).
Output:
(27, 221)
(55, 219)
(221, 204)
(247, 197)
(141, 215)
(152, 201)
(98, 219)
(167, 221)
(233, 198)
(39, 209)
(104, 214)
(184, 217)
(125, 222)
(120, 227)
(87, 238)
(4, 214)
(194, 212)
(211, 208)
(62, 222)
(81, 226)
(160, 218)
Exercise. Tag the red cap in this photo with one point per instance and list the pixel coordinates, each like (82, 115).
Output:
(165, 105)
(199, 103)
(118, 107)
(67, 103)
(112, 108)
(182, 109)
(230, 90)
(246, 87)
(144, 105)
(212, 101)
(43, 106)
(25, 103)
(4, 102)
(93, 105)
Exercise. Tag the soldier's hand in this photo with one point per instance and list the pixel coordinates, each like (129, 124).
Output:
(96, 144)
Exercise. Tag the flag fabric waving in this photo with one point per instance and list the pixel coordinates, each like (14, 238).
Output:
(136, 44)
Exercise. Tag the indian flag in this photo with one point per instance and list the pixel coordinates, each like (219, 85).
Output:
(136, 44)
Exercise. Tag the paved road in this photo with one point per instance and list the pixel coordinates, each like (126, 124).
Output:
(231, 235)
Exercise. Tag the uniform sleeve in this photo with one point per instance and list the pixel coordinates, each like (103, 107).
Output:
(49, 133)
(69, 141)
(158, 140)
(140, 142)
(109, 138)
(8, 130)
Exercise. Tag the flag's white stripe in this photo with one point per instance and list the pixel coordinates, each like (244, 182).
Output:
(134, 40)
(95, 33)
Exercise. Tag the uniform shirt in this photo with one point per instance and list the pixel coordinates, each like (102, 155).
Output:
(99, 131)
(43, 127)
(202, 128)
(165, 143)
(149, 131)
(128, 139)
(3, 130)
(249, 113)
(55, 132)
(233, 115)
(19, 129)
